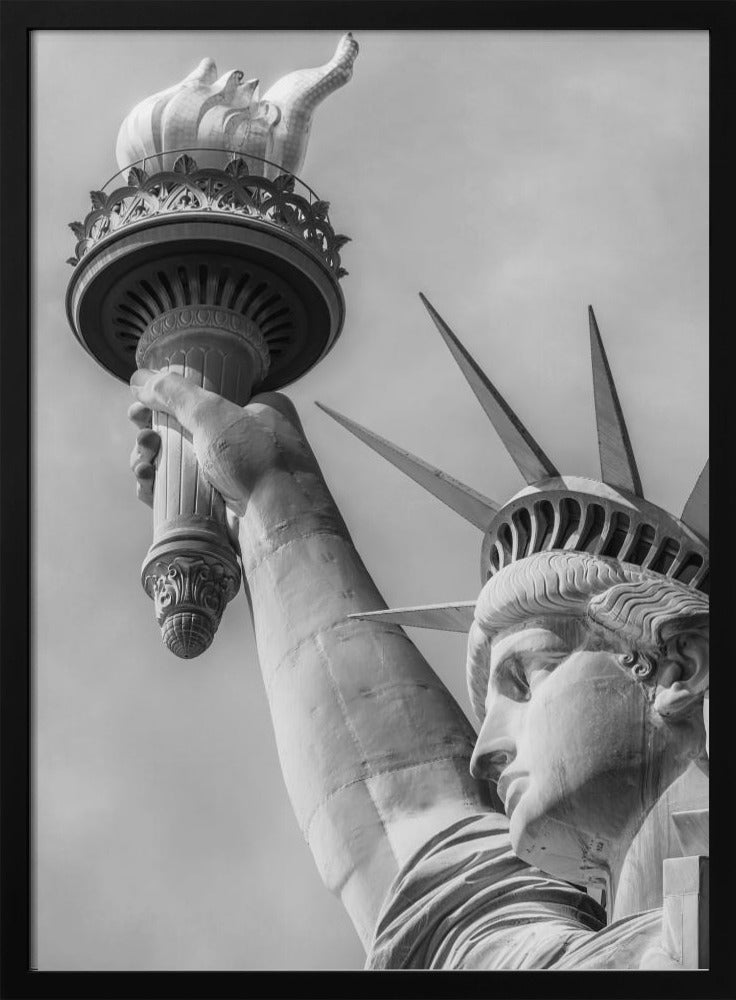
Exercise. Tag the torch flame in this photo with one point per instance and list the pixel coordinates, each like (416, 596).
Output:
(226, 113)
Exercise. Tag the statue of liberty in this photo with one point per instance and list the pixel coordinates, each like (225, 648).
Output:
(587, 657)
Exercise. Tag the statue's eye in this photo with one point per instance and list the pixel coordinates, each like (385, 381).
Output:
(514, 679)
(519, 673)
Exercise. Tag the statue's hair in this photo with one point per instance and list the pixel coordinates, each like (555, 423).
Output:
(639, 606)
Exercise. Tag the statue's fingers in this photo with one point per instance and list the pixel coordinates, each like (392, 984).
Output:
(144, 472)
(148, 443)
(144, 487)
(145, 449)
(140, 414)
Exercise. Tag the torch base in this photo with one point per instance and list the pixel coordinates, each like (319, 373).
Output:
(190, 582)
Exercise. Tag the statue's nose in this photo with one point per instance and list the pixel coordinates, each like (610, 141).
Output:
(490, 758)
(495, 747)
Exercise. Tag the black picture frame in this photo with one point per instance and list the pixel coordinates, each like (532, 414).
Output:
(18, 21)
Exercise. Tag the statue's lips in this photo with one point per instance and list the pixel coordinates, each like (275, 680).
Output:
(511, 785)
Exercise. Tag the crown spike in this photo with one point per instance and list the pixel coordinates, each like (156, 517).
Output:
(456, 617)
(464, 500)
(618, 465)
(695, 512)
(526, 453)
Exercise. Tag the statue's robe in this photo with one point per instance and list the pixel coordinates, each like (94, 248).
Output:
(465, 901)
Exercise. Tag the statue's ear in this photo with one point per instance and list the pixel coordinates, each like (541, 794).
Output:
(683, 675)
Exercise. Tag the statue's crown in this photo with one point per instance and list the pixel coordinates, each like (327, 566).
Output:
(576, 514)
(608, 518)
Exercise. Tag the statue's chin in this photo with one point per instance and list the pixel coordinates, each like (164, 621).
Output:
(558, 848)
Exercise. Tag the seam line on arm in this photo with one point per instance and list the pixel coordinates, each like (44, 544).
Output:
(376, 774)
(252, 567)
(338, 625)
(356, 740)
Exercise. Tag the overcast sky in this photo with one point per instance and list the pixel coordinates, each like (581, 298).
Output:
(512, 177)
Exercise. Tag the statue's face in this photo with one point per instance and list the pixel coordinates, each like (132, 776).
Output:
(572, 739)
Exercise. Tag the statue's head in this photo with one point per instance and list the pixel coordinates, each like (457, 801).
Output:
(588, 675)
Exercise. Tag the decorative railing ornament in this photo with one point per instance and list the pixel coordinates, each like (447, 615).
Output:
(234, 191)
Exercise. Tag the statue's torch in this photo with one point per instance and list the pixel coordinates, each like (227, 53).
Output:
(227, 275)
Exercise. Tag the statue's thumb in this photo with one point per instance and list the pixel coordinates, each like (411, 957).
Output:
(140, 377)
(164, 391)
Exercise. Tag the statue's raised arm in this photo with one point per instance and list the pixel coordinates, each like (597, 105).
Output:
(375, 752)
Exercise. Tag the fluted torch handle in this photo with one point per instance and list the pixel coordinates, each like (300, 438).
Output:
(191, 570)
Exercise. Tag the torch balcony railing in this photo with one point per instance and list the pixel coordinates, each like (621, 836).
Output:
(281, 200)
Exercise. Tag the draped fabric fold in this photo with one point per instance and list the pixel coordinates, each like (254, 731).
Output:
(465, 901)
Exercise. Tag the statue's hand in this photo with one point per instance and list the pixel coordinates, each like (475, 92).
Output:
(235, 446)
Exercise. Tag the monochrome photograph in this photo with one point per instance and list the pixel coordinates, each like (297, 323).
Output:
(369, 477)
